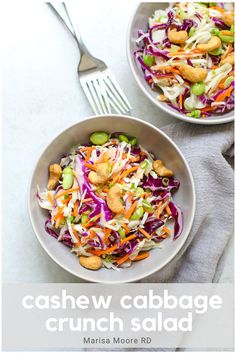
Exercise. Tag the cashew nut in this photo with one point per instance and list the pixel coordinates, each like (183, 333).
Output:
(228, 18)
(211, 45)
(177, 37)
(113, 199)
(92, 262)
(192, 74)
(101, 174)
(229, 59)
(161, 169)
(55, 173)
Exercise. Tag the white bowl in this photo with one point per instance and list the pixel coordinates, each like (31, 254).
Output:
(153, 140)
(138, 21)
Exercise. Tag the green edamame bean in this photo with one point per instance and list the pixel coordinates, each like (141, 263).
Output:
(139, 191)
(121, 232)
(148, 60)
(198, 88)
(99, 138)
(226, 39)
(195, 114)
(67, 178)
(217, 51)
(137, 214)
(84, 218)
(123, 137)
(147, 206)
(133, 141)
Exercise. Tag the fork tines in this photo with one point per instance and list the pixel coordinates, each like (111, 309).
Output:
(103, 93)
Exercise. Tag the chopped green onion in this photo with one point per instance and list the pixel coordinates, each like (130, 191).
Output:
(144, 164)
(165, 181)
(228, 81)
(108, 258)
(66, 196)
(137, 214)
(147, 206)
(84, 218)
(212, 3)
(232, 28)
(191, 31)
(195, 114)
(121, 232)
(139, 191)
(148, 60)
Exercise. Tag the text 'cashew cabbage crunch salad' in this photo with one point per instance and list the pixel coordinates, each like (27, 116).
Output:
(111, 202)
(188, 53)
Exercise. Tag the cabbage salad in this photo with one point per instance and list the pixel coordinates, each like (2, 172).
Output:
(188, 53)
(111, 202)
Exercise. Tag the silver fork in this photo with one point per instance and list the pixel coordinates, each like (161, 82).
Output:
(98, 83)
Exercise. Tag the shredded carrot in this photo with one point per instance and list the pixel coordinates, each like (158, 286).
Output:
(145, 233)
(92, 234)
(157, 213)
(128, 238)
(208, 108)
(125, 227)
(167, 69)
(90, 149)
(105, 190)
(87, 200)
(225, 94)
(113, 248)
(59, 220)
(106, 236)
(217, 8)
(97, 217)
(60, 211)
(228, 50)
(180, 101)
(168, 210)
(66, 201)
(67, 192)
(127, 172)
(215, 67)
(167, 231)
(75, 233)
(131, 210)
(227, 33)
(90, 224)
(75, 211)
(142, 255)
(91, 167)
(50, 198)
(122, 259)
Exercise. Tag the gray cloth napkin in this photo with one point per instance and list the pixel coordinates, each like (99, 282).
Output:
(209, 152)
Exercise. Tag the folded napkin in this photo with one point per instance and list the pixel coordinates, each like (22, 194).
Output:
(209, 152)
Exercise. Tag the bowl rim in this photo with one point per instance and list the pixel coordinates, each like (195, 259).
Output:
(158, 104)
(92, 277)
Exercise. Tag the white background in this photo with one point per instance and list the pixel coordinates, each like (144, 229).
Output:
(42, 96)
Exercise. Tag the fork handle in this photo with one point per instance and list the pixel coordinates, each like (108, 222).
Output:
(83, 49)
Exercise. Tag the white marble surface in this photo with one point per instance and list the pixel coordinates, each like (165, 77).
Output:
(42, 96)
